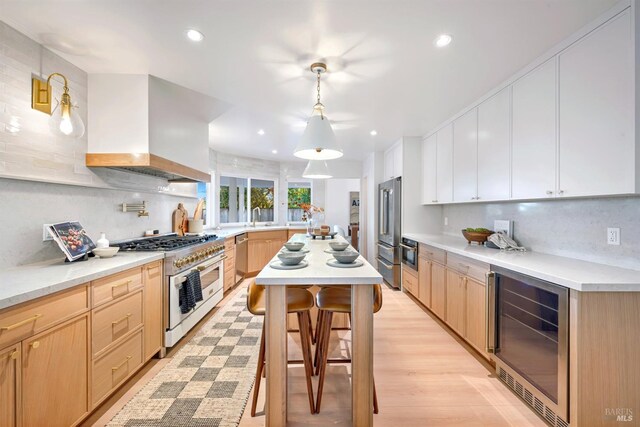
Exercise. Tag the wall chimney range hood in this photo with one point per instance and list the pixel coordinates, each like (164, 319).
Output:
(147, 125)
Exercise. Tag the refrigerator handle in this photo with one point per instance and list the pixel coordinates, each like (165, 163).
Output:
(490, 301)
(383, 211)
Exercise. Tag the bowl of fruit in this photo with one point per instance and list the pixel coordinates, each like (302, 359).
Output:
(478, 235)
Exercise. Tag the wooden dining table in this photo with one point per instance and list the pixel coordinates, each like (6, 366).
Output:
(318, 272)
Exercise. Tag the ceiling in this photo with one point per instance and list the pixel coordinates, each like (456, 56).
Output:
(384, 71)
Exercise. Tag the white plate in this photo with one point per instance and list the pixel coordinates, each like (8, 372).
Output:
(335, 263)
(333, 251)
(301, 251)
(278, 265)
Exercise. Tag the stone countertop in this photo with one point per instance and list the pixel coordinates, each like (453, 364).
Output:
(569, 272)
(318, 272)
(234, 231)
(28, 282)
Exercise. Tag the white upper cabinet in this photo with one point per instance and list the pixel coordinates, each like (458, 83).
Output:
(533, 167)
(444, 169)
(494, 147)
(465, 157)
(596, 102)
(393, 161)
(430, 170)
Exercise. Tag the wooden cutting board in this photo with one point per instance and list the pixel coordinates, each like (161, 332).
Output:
(197, 214)
(179, 220)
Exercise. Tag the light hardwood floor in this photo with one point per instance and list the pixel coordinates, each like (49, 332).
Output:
(424, 376)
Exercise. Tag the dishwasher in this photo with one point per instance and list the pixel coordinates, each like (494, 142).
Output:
(241, 256)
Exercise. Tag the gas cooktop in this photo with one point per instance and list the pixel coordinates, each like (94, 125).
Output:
(165, 243)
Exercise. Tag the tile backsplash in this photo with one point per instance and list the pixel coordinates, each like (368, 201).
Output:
(573, 228)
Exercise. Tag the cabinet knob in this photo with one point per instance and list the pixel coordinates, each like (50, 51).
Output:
(14, 355)
(35, 344)
(549, 192)
(561, 192)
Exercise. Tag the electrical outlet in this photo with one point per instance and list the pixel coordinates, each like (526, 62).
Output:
(45, 233)
(446, 220)
(503, 225)
(613, 236)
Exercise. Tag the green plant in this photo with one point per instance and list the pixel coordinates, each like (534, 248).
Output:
(477, 230)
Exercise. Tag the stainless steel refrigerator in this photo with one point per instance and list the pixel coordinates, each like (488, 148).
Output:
(389, 217)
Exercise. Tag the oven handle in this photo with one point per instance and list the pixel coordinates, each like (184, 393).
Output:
(179, 281)
(490, 307)
(385, 264)
(409, 248)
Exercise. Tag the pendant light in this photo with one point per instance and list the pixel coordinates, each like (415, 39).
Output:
(316, 169)
(318, 140)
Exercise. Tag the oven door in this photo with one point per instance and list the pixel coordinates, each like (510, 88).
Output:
(211, 280)
(409, 253)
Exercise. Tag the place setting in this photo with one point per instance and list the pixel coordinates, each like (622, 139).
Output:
(337, 247)
(291, 257)
(345, 259)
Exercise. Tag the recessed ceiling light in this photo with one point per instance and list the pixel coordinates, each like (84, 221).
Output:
(261, 132)
(274, 151)
(373, 132)
(442, 40)
(195, 35)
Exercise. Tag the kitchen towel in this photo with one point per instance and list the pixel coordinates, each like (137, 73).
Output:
(190, 292)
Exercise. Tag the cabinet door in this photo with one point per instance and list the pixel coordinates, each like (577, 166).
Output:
(476, 316)
(465, 157)
(258, 254)
(597, 146)
(10, 385)
(397, 160)
(533, 167)
(494, 141)
(388, 165)
(438, 290)
(274, 247)
(444, 170)
(152, 279)
(424, 281)
(455, 316)
(429, 169)
(55, 366)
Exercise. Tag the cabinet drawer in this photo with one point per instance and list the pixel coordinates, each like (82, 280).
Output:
(431, 253)
(409, 281)
(115, 286)
(467, 267)
(268, 235)
(113, 321)
(113, 368)
(229, 244)
(25, 320)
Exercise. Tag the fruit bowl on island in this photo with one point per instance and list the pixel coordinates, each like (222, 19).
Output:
(478, 235)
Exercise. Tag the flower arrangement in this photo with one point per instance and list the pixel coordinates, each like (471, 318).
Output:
(309, 210)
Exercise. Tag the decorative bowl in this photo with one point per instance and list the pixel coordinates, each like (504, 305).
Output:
(346, 257)
(106, 252)
(475, 235)
(338, 246)
(294, 246)
(291, 258)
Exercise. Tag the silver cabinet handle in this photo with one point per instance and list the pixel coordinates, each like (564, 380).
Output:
(380, 245)
(409, 248)
(561, 192)
(490, 311)
(387, 266)
(549, 192)
(434, 201)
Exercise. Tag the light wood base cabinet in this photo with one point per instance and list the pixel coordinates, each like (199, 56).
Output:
(229, 264)
(476, 316)
(410, 281)
(55, 375)
(424, 281)
(10, 377)
(456, 290)
(438, 290)
(262, 246)
(152, 277)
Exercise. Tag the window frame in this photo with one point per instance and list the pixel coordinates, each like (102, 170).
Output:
(248, 208)
(300, 181)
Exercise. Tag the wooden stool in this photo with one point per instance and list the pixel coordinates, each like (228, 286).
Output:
(332, 300)
(299, 301)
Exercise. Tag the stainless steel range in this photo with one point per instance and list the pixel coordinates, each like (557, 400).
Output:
(183, 255)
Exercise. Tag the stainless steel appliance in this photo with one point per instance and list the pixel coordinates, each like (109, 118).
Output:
(184, 254)
(389, 217)
(409, 250)
(528, 330)
(242, 247)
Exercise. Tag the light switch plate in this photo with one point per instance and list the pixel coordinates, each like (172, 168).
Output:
(613, 236)
(504, 226)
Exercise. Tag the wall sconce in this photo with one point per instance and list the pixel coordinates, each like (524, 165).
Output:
(64, 120)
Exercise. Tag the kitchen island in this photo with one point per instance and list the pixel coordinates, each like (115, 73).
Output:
(319, 273)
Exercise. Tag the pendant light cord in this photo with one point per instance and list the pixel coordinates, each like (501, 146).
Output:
(319, 104)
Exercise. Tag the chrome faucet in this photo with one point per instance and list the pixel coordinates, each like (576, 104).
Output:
(253, 214)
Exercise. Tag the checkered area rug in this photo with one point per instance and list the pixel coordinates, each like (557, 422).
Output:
(207, 383)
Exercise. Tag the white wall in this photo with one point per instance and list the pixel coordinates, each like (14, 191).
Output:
(337, 201)
(372, 173)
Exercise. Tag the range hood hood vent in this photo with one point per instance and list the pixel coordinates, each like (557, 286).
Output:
(147, 125)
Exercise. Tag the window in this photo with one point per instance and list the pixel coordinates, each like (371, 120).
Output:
(203, 193)
(239, 196)
(297, 194)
